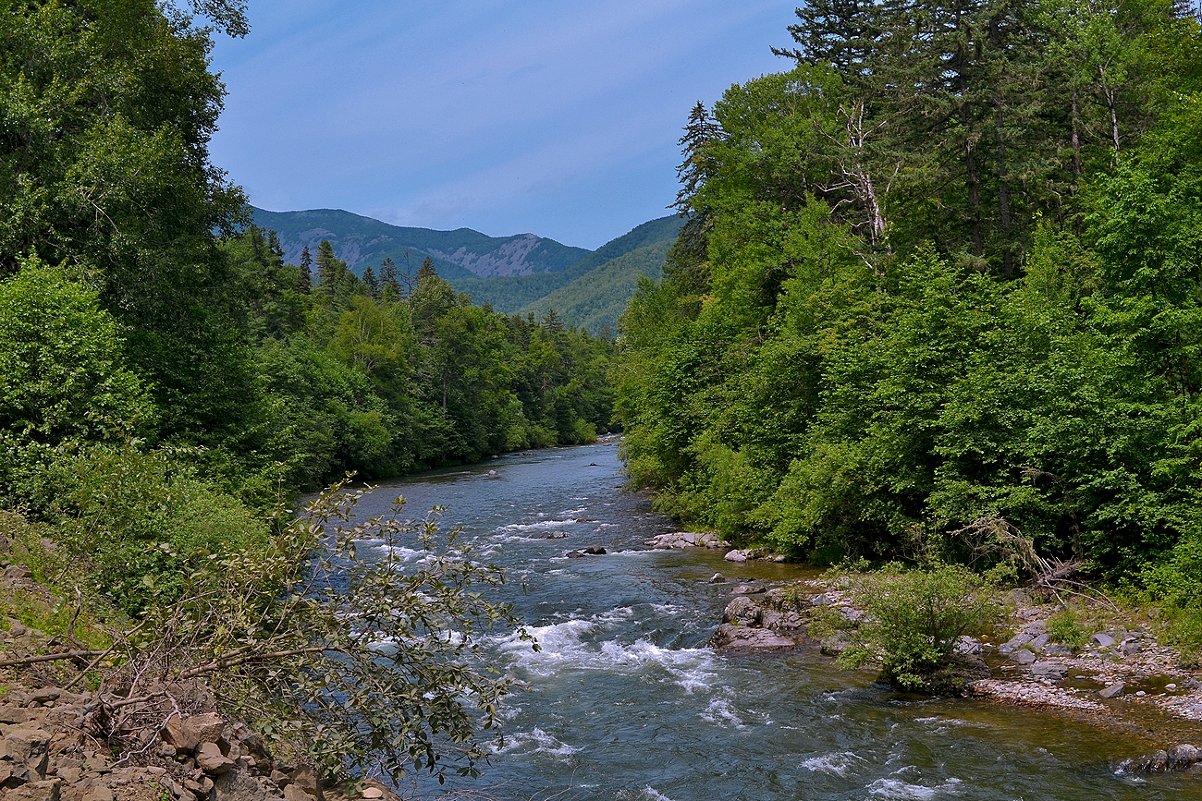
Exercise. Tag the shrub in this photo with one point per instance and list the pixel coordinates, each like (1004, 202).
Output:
(142, 523)
(914, 619)
(352, 659)
(1064, 628)
(1173, 582)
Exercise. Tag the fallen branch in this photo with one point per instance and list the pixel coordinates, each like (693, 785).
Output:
(33, 660)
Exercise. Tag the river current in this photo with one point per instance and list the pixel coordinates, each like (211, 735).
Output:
(624, 700)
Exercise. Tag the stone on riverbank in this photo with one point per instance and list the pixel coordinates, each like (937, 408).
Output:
(687, 539)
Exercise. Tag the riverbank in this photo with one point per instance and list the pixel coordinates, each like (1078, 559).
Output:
(66, 735)
(1114, 672)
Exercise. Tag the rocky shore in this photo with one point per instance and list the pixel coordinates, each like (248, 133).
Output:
(1120, 676)
(60, 742)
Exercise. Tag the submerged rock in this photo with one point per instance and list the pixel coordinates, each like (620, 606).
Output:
(1023, 657)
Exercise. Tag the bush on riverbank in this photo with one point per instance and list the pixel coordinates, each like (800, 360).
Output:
(913, 621)
(1176, 584)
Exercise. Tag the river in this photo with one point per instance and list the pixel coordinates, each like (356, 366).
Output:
(624, 701)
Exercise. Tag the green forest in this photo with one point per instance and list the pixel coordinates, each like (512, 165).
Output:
(940, 288)
(148, 330)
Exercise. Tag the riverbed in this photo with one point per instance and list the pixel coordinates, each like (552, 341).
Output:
(625, 701)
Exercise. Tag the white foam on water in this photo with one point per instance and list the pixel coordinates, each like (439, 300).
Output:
(542, 524)
(651, 794)
(648, 793)
(618, 614)
(943, 721)
(573, 512)
(564, 644)
(722, 713)
(535, 741)
(897, 790)
(838, 764)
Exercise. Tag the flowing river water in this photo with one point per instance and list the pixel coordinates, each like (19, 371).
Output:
(624, 701)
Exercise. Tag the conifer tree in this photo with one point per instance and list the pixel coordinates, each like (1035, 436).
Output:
(701, 130)
(373, 283)
(426, 270)
(390, 284)
(330, 269)
(306, 270)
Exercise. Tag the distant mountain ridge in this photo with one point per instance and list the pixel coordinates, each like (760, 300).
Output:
(524, 274)
(362, 242)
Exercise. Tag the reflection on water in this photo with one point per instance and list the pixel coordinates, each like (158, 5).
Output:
(624, 701)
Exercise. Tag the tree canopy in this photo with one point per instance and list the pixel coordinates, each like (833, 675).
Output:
(939, 277)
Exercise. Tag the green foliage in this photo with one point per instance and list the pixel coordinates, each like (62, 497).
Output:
(914, 618)
(353, 661)
(1066, 629)
(1173, 582)
(64, 378)
(59, 611)
(141, 523)
(926, 288)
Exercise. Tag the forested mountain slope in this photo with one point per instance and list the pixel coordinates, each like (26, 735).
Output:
(610, 289)
(596, 300)
(362, 242)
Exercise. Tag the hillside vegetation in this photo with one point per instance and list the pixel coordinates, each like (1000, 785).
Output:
(590, 288)
(596, 300)
(169, 383)
(938, 296)
(362, 242)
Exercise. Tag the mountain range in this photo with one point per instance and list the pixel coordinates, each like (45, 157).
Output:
(522, 274)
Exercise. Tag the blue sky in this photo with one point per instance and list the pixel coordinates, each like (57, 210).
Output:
(556, 118)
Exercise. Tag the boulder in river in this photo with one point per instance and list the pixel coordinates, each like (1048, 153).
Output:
(742, 611)
(731, 636)
(1178, 758)
(687, 539)
(736, 556)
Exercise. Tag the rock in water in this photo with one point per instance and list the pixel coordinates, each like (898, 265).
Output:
(734, 637)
